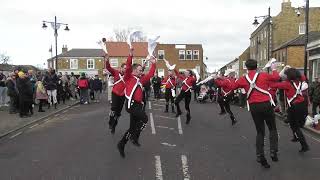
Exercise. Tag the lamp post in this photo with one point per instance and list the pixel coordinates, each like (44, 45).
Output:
(256, 23)
(55, 25)
(306, 37)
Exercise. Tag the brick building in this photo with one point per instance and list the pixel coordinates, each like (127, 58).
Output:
(185, 56)
(284, 27)
(242, 59)
(292, 52)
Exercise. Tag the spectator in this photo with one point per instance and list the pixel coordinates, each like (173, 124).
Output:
(33, 81)
(3, 90)
(91, 88)
(12, 93)
(83, 84)
(156, 82)
(73, 85)
(25, 95)
(50, 83)
(97, 88)
(315, 96)
(61, 90)
(41, 95)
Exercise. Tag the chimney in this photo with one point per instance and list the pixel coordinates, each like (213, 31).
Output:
(286, 5)
(64, 49)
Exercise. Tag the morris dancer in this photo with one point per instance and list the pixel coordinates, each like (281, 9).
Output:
(298, 110)
(226, 93)
(117, 91)
(187, 82)
(134, 105)
(260, 104)
(170, 83)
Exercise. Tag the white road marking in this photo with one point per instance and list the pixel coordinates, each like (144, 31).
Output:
(164, 127)
(166, 117)
(159, 175)
(33, 126)
(15, 135)
(157, 109)
(65, 111)
(149, 104)
(244, 137)
(179, 125)
(153, 130)
(185, 168)
(56, 115)
(170, 145)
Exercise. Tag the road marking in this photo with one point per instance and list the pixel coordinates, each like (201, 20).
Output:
(166, 117)
(158, 168)
(65, 111)
(157, 109)
(164, 127)
(185, 168)
(179, 125)
(170, 145)
(56, 115)
(15, 135)
(159, 105)
(149, 104)
(244, 137)
(315, 158)
(153, 130)
(33, 126)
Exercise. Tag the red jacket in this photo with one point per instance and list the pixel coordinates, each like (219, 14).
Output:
(119, 87)
(166, 82)
(189, 81)
(289, 90)
(225, 85)
(131, 81)
(262, 82)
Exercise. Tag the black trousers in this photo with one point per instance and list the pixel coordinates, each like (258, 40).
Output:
(224, 103)
(263, 112)
(315, 105)
(296, 117)
(116, 108)
(156, 90)
(138, 121)
(187, 98)
(169, 98)
(25, 107)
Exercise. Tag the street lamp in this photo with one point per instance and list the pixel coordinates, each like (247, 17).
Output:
(256, 23)
(55, 25)
(306, 37)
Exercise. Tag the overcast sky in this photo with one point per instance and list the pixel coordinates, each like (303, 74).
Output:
(223, 27)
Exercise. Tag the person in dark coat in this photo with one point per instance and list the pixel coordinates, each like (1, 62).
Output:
(97, 88)
(50, 83)
(12, 93)
(25, 95)
(61, 89)
(156, 82)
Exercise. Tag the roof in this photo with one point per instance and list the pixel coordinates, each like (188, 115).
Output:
(300, 40)
(10, 67)
(115, 49)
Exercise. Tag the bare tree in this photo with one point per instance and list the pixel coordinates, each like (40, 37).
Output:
(122, 35)
(4, 59)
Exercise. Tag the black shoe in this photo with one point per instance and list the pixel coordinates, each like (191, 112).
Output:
(178, 114)
(274, 157)
(234, 122)
(55, 106)
(113, 130)
(135, 142)
(263, 162)
(41, 110)
(121, 149)
(188, 119)
(294, 139)
(222, 112)
(304, 149)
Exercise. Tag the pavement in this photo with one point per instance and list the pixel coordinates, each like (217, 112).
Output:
(77, 145)
(10, 123)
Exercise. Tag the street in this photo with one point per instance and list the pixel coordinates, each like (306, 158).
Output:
(76, 145)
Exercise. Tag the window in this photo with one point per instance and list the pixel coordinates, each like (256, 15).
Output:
(198, 69)
(265, 33)
(196, 55)
(262, 36)
(189, 55)
(90, 63)
(114, 63)
(283, 56)
(302, 28)
(160, 72)
(265, 53)
(244, 65)
(143, 61)
(161, 54)
(73, 63)
(182, 54)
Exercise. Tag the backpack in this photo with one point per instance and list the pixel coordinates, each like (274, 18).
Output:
(83, 83)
